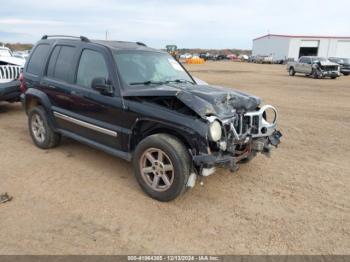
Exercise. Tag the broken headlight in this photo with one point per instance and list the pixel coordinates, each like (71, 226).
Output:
(215, 131)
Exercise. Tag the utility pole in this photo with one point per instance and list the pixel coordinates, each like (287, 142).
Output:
(106, 35)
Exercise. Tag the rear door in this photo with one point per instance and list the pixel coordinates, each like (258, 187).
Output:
(34, 67)
(59, 76)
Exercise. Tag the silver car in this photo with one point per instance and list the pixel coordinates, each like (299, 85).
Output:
(316, 67)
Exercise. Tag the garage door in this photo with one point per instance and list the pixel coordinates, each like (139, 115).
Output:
(309, 43)
(343, 49)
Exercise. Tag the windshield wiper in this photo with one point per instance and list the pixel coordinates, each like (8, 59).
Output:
(149, 82)
(180, 81)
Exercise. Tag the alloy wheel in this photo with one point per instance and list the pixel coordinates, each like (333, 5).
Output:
(38, 128)
(156, 169)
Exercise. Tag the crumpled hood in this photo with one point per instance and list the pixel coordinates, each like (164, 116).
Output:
(328, 63)
(13, 60)
(205, 100)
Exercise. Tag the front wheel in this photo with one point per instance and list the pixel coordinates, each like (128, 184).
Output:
(162, 166)
(315, 74)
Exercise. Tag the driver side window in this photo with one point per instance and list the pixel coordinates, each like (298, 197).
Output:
(91, 65)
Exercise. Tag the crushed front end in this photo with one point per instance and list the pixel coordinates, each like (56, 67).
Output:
(243, 136)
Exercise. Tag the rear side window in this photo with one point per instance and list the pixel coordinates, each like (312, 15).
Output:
(92, 64)
(38, 59)
(52, 62)
(60, 63)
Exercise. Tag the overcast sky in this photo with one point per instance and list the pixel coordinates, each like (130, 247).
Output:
(187, 23)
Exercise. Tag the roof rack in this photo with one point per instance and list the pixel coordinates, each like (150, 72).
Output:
(140, 43)
(82, 38)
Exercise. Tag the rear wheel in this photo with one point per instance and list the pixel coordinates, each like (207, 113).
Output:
(162, 166)
(291, 71)
(42, 134)
(333, 77)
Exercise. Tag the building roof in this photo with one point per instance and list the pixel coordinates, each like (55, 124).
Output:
(303, 36)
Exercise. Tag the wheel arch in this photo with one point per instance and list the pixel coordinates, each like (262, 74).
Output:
(35, 98)
(146, 127)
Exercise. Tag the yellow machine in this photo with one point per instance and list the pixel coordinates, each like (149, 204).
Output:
(195, 60)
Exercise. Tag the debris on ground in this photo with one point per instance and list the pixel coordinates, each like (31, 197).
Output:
(5, 198)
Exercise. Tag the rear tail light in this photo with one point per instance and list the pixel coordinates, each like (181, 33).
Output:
(22, 84)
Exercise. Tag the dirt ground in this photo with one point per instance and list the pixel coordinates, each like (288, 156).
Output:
(77, 200)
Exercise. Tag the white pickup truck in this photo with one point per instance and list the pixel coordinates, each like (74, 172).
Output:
(316, 67)
(10, 68)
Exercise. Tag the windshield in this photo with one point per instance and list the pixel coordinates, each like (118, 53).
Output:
(137, 68)
(5, 52)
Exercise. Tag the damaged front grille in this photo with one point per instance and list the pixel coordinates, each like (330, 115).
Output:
(330, 68)
(253, 124)
(247, 124)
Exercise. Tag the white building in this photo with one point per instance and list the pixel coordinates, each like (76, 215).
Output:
(295, 46)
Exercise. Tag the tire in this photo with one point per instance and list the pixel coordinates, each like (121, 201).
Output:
(334, 77)
(346, 74)
(291, 71)
(40, 131)
(151, 171)
(314, 74)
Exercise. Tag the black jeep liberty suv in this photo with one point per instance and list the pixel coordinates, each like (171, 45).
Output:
(142, 105)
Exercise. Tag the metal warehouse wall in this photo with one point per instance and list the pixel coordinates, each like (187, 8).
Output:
(328, 47)
(272, 45)
(289, 47)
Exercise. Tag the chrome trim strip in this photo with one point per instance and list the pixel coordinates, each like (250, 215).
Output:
(85, 124)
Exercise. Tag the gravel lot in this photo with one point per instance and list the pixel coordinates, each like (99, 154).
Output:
(77, 200)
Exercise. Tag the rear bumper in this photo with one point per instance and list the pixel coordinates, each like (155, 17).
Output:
(10, 91)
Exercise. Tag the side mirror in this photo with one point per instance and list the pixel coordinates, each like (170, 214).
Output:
(101, 85)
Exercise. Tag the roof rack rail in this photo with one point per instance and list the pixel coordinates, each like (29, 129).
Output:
(82, 38)
(140, 43)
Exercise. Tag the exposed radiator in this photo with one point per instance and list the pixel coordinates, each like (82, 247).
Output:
(245, 124)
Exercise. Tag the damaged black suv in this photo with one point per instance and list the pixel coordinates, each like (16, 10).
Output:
(140, 104)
